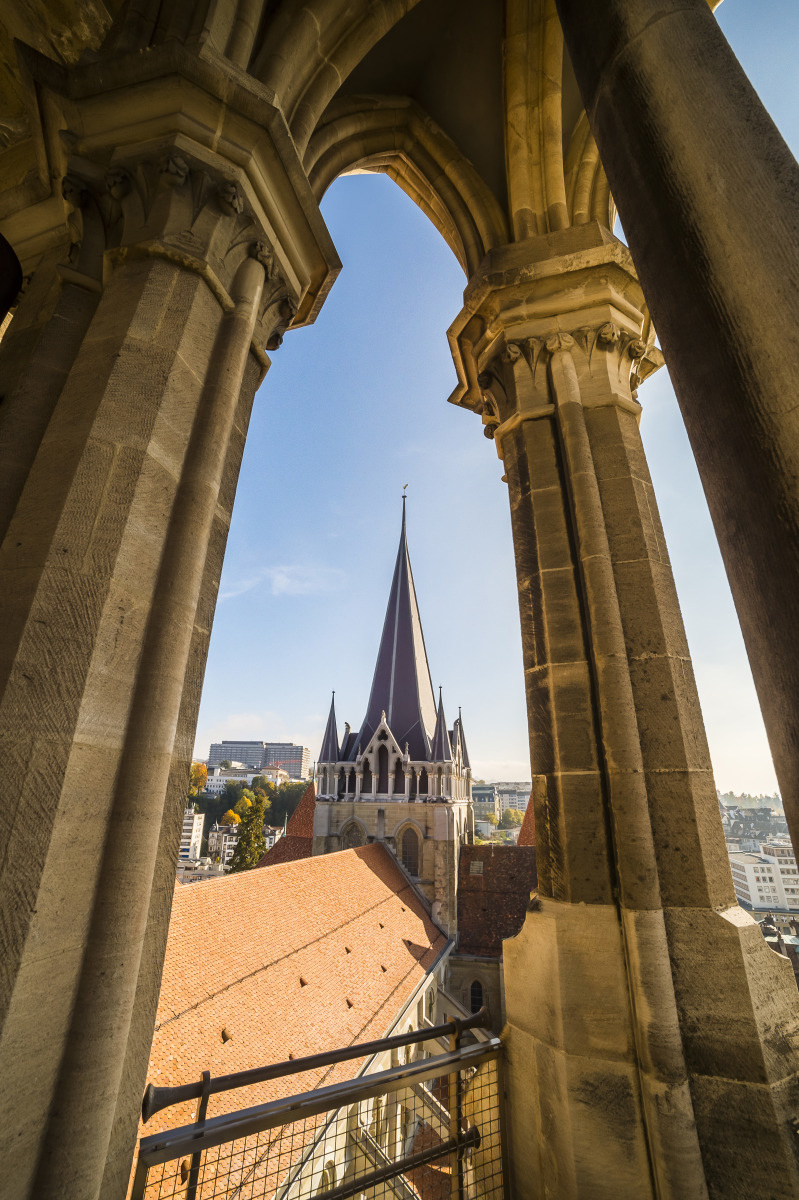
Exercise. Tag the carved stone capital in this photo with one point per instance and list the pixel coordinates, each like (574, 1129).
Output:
(557, 342)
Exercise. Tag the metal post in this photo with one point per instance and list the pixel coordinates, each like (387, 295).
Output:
(455, 1116)
(194, 1170)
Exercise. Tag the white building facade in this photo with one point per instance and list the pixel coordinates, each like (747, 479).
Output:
(767, 880)
(191, 837)
(219, 777)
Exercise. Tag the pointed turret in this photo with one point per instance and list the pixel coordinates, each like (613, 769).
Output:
(402, 686)
(441, 749)
(464, 751)
(329, 751)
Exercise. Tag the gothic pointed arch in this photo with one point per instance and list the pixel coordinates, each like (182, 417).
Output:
(393, 135)
(366, 778)
(399, 778)
(382, 770)
(353, 836)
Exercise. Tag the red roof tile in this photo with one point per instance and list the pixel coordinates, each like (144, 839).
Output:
(238, 949)
(494, 886)
(527, 831)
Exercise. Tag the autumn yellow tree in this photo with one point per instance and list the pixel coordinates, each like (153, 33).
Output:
(198, 777)
(230, 818)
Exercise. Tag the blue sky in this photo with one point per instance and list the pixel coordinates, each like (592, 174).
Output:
(353, 408)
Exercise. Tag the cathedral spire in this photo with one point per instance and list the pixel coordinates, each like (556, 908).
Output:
(402, 685)
(441, 750)
(329, 752)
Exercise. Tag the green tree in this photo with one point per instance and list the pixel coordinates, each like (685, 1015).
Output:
(261, 783)
(510, 818)
(245, 802)
(286, 799)
(251, 846)
(225, 763)
(492, 819)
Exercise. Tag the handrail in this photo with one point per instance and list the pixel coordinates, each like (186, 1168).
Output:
(157, 1098)
(174, 1143)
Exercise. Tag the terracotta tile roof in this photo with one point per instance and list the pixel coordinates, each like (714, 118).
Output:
(494, 886)
(297, 842)
(275, 958)
(527, 831)
(287, 849)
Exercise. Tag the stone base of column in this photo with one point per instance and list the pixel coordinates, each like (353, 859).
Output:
(588, 1117)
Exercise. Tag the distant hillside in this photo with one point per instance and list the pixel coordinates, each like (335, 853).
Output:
(747, 801)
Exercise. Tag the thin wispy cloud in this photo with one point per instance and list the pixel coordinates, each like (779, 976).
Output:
(289, 580)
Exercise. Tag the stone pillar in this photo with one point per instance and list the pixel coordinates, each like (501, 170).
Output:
(658, 1030)
(132, 365)
(708, 194)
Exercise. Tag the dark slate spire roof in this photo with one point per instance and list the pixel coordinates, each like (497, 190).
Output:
(441, 750)
(329, 751)
(464, 751)
(402, 685)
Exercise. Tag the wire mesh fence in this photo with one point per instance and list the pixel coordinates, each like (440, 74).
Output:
(431, 1129)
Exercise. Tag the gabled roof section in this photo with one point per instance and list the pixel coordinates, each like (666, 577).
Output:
(329, 751)
(402, 686)
(441, 749)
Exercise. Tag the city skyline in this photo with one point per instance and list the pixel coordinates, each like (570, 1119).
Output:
(314, 529)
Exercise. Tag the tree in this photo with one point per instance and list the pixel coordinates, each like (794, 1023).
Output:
(251, 846)
(510, 818)
(286, 799)
(261, 783)
(198, 777)
(230, 818)
(225, 763)
(245, 802)
(492, 819)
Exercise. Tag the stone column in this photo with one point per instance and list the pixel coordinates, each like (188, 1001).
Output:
(708, 194)
(193, 250)
(659, 1031)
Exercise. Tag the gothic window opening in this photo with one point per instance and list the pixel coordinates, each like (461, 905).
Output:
(476, 996)
(342, 782)
(351, 782)
(352, 837)
(409, 852)
(382, 771)
(413, 784)
(366, 782)
(423, 784)
(399, 779)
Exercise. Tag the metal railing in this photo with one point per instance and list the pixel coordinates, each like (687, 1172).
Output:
(431, 1128)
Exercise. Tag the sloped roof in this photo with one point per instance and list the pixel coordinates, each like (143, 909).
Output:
(297, 841)
(402, 687)
(527, 831)
(493, 895)
(273, 957)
